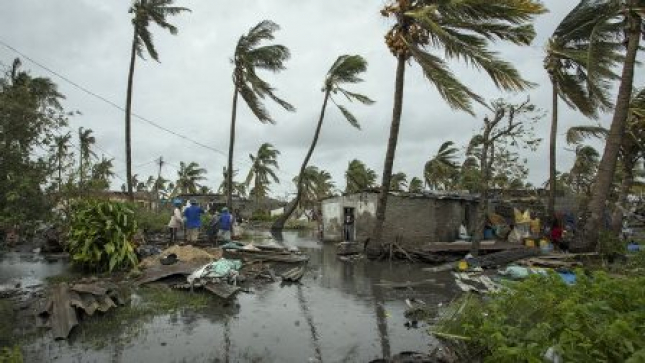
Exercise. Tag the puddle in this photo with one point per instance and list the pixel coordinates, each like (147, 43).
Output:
(28, 270)
(339, 313)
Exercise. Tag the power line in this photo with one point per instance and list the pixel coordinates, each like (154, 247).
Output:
(115, 105)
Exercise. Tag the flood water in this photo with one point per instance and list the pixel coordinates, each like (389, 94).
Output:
(339, 312)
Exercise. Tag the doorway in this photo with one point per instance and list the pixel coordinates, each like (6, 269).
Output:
(349, 219)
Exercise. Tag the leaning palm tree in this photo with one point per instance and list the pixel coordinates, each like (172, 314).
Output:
(359, 177)
(416, 185)
(248, 58)
(631, 152)
(262, 170)
(345, 70)
(442, 168)
(144, 12)
(399, 182)
(463, 29)
(629, 14)
(579, 67)
(188, 177)
(238, 188)
(85, 141)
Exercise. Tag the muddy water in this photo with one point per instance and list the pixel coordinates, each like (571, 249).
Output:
(28, 270)
(340, 312)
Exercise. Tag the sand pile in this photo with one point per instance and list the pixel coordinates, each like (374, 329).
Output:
(184, 254)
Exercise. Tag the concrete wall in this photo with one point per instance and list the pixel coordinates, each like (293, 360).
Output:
(412, 220)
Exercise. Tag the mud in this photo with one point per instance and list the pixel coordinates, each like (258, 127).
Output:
(340, 312)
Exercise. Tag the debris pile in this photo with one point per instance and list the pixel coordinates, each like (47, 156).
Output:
(184, 254)
(60, 311)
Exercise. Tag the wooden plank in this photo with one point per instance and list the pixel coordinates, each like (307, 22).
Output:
(224, 291)
(63, 317)
(287, 258)
(465, 247)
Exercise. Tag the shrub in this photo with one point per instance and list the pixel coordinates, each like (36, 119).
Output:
(153, 222)
(11, 355)
(598, 319)
(100, 235)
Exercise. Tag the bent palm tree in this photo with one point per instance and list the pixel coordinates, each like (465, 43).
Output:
(631, 152)
(102, 173)
(359, 177)
(415, 186)
(579, 67)
(262, 171)
(463, 29)
(145, 12)
(440, 171)
(629, 14)
(399, 182)
(345, 70)
(248, 58)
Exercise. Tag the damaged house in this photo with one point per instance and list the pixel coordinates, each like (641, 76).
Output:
(413, 219)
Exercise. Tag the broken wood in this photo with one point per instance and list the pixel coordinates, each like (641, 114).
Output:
(553, 263)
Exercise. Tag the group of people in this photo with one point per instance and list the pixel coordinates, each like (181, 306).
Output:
(190, 218)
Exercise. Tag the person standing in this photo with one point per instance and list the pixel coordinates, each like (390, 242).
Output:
(176, 221)
(349, 225)
(193, 216)
(225, 225)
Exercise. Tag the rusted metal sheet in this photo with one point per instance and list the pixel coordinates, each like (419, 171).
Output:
(63, 316)
(160, 272)
(93, 289)
(222, 290)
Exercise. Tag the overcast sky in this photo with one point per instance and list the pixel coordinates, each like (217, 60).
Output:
(190, 91)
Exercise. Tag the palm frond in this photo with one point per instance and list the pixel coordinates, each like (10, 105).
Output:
(355, 96)
(255, 104)
(146, 39)
(348, 115)
(454, 92)
(270, 57)
(346, 69)
(577, 134)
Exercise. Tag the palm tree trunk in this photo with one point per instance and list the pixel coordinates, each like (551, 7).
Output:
(552, 155)
(128, 120)
(391, 149)
(60, 174)
(229, 173)
(607, 166)
(625, 186)
(278, 225)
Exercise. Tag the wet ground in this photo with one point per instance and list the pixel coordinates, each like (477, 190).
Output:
(341, 312)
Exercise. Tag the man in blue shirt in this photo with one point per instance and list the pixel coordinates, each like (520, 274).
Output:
(193, 216)
(225, 225)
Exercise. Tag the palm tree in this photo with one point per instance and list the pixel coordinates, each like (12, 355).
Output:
(102, 173)
(464, 29)
(579, 68)
(204, 189)
(416, 185)
(249, 57)
(441, 171)
(61, 144)
(316, 185)
(188, 177)
(262, 171)
(144, 12)
(399, 182)
(632, 150)
(629, 14)
(86, 140)
(345, 70)
(238, 188)
(584, 169)
(359, 177)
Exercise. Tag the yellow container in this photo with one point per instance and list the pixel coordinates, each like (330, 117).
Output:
(529, 242)
(544, 243)
(462, 265)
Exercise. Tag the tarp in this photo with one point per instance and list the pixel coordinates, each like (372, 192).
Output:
(217, 269)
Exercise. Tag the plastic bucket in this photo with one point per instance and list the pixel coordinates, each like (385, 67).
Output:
(544, 243)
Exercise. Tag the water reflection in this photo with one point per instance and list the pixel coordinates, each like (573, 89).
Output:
(339, 313)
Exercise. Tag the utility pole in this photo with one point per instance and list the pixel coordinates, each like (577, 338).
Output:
(161, 162)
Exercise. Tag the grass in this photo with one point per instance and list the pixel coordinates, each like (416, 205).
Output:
(8, 322)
